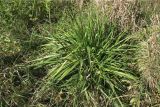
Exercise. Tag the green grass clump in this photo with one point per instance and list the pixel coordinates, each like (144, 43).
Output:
(88, 60)
(69, 53)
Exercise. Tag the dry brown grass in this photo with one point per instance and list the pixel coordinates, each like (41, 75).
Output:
(149, 63)
(131, 14)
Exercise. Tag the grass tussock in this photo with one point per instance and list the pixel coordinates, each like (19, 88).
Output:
(75, 53)
(88, 60)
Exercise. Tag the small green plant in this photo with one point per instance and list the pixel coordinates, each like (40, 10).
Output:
(79, 55)
(88, 59)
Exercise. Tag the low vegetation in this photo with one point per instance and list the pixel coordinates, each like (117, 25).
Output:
(79, 54)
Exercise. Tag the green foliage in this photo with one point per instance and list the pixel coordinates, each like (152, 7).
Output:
(20, 17)
(54, 54)
(20, 35)
(8, 46)
(88, 58)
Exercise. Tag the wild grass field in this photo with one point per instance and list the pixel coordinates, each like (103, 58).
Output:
(79, 53)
